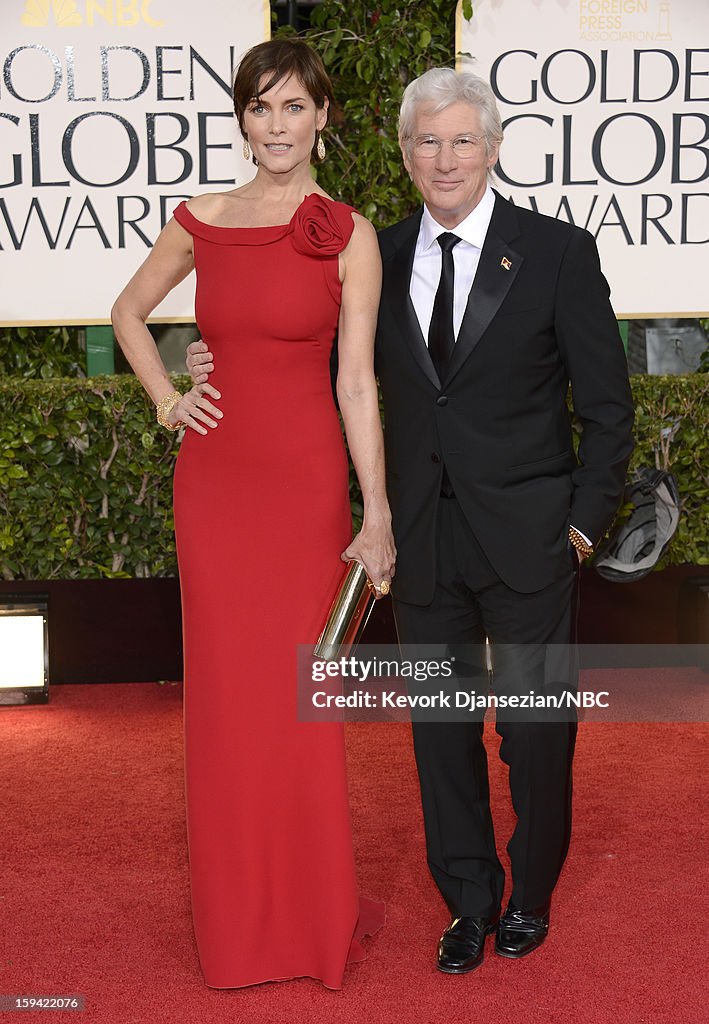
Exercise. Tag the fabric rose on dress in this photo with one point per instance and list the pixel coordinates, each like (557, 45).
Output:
(321, 227)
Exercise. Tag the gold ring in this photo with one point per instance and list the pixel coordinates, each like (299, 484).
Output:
(384, 587)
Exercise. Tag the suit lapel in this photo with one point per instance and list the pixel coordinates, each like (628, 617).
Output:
(396, 290)
(498, 267)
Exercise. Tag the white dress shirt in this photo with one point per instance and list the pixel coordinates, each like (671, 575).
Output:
(466, 256)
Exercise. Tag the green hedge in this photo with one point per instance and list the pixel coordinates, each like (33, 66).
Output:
(44, 352)
(86, 474)
(85, 481)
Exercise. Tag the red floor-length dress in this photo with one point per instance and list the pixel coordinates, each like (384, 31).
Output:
(261, 517)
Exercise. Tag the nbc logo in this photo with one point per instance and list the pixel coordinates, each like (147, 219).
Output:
(70, 13)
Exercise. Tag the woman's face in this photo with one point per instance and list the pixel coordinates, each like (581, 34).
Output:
(281, 125)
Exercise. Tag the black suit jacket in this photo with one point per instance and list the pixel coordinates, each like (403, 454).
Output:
(538, 317)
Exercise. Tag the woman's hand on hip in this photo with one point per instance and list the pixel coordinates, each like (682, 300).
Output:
(194, 409)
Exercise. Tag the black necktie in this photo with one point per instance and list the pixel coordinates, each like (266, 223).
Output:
(441, 337)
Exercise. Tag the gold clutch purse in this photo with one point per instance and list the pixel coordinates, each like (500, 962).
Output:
(348, 615)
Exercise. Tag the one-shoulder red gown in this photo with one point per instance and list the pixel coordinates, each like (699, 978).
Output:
(261, 517)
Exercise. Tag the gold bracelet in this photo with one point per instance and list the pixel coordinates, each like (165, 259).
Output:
(165, 407)
(579, 543)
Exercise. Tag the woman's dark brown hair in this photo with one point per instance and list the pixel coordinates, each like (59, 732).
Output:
(278, 59)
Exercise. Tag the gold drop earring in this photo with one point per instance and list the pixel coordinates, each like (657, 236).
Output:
(320, 150)
(246, 150)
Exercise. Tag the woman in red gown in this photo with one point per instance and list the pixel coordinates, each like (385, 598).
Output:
(262, 522)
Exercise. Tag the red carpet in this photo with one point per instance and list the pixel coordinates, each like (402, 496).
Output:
(94, 884)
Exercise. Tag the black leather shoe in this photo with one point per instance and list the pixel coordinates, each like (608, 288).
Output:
(521, 931)
(462, 945)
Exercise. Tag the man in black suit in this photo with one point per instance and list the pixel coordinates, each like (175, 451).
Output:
(488, 312)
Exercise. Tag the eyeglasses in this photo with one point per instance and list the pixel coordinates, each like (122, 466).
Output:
(464, 146)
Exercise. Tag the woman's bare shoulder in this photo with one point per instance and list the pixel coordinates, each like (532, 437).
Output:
(364, 236)
(209, 206)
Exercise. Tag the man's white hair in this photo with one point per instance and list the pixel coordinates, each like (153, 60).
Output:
(440, 88)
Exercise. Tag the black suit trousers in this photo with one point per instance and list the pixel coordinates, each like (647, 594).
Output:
(471, 602)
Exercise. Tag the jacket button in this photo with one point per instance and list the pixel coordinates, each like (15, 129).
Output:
(442, 400)
(435, 457)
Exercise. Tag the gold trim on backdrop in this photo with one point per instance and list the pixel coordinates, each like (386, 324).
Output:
(697, 314)
(105, 322)
(459, 33)
(694, 315)
(267, 17)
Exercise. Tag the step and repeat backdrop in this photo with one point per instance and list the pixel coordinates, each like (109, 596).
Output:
(605, 106)
(111, 113)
